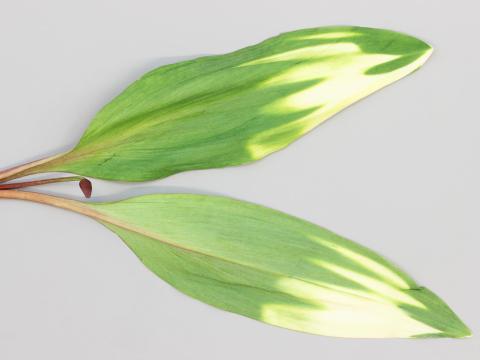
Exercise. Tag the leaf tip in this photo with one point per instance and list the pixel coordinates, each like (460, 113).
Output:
(438, 315)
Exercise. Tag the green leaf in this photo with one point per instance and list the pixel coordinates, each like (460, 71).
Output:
(232, 109)
(270, 266)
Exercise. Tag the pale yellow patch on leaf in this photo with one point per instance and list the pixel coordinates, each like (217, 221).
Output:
(377, 287)
(364, 319)
(332, 35)
(339, 313)
(367, 263)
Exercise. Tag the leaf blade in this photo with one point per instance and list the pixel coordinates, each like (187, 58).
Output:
(275, 268)
(237, 108)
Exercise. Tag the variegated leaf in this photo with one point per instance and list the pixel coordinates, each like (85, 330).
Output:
(270, 266)
(232, 109)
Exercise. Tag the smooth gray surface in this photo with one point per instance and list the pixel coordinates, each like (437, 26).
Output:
(397, 172)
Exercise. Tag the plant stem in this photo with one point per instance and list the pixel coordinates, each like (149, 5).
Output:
(26, 169)
(62, 203)
(76, 206)
(84, 184)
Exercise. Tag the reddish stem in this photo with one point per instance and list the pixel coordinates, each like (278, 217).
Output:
(84, 184)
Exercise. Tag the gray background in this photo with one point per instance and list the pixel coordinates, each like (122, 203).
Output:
(397, 172)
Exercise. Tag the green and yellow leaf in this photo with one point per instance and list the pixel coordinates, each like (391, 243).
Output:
(269, 266)
(231, 109)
